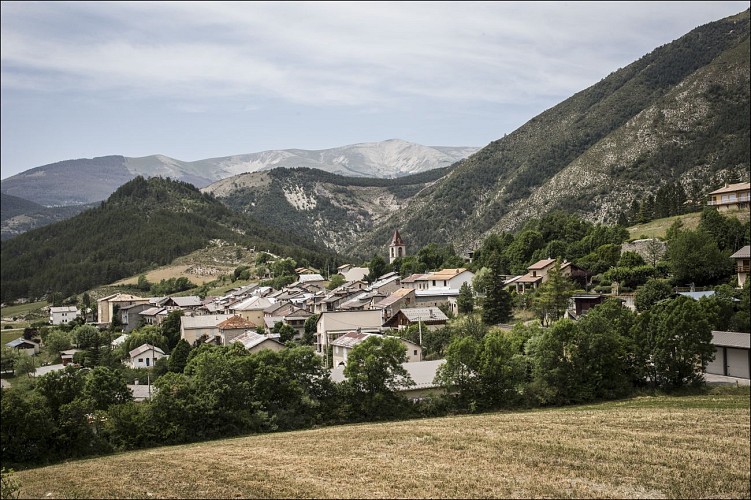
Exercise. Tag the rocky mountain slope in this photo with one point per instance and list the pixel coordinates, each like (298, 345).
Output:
(677, 116)
(84, 181)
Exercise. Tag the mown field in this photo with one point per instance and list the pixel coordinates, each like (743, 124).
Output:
(647, 447)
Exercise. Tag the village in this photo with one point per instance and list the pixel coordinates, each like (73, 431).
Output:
(335, 321)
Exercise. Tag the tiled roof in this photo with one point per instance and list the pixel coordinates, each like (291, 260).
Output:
(236, 322)
(733, 187)
(541, 264)
(446, 274)
(251, 339)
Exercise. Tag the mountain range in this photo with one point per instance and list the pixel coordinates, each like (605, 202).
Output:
(678, 118)
(82, 181)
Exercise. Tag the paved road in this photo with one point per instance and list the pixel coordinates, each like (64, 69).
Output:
(722, 380)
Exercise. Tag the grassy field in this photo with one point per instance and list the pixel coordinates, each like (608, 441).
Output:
(25, 314)
(658, 228)
(646, 447)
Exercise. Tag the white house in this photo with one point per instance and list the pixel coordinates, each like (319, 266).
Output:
(63, 315)
(145, 356)
(332, 324)
(732, 354)
(343, 345)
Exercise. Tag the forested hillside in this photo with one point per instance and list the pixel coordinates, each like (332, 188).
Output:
(20, 215)
(144, 223)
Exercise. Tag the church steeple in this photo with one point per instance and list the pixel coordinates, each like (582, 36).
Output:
(397, 248)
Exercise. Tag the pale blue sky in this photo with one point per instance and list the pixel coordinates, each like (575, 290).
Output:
(195, 80)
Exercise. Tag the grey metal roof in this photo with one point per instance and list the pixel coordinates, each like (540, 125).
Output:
(743, 253)
(425, 314)
(421, 372)
(739, 340)
(143, 348)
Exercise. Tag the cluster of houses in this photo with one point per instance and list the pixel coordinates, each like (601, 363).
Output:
(351, 313)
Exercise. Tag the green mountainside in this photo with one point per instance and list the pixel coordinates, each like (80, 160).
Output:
(18, 215)
(676, 120)
(145, 223)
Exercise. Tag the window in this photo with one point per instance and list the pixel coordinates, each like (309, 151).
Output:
(140, 360)
(415, 354)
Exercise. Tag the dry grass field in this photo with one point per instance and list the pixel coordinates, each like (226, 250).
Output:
(646, 447)
(659, 227)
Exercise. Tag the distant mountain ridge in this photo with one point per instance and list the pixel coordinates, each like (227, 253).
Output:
(75, 182)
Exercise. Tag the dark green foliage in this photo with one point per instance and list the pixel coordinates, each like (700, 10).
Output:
(672, 343)
(373, 373)
(144, 223)
(465, 302)
(695, 258)
(179, 356)
(170, 327)
(652, 292)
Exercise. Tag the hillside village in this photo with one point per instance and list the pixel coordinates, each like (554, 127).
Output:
(367, 340)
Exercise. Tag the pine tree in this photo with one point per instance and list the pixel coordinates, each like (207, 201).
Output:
(466, 301)
(496, 307)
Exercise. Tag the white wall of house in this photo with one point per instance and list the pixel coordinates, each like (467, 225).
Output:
(146, 359)
(344, 321)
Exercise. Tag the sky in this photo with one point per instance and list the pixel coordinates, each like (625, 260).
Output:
(197, 80)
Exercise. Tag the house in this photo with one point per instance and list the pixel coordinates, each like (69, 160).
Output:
(386, 284)
(430, 318)
(24, 346)
(193, 328)
(141, 392)
(449, 278)
(343, 345)
(107, 306)
(332, 324)
(255, 342)
(153, 315)
(144, 356)
(251, 309)
(732, 354)
(731, 196)
(537, 274)
(63, 315)
(67, 356)
(130, 316)
(312, 279)
(422, 374)
(119, 340)
(580, 303)
(742, 264)
(231, 328)
(187, 303)
(404, 297)
(416, 282)
(352, 273)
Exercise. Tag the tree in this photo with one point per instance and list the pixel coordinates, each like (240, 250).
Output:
(105, 387)
(311, 326)
(496, 306)
(25, 365)
(459, 373)
(374, 373)
(179, 356)
(57, 340)
(377, 267)
(171, 327)
(630, 259)
(8, 359)
(465, 302)
(335, 281)
(651, 293)
(695, 258)
(673, 343)
(551, 298)
(655, 250)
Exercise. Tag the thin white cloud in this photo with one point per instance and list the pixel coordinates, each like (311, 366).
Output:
(339, 53)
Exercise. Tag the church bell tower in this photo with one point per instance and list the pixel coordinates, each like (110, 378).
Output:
(397, 248)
